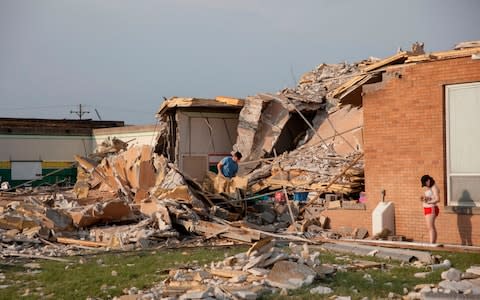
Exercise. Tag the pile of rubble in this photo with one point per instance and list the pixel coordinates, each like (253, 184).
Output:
(311, 169)
(317, 85)
(246, 275)
(128, 196)
(132, 197)
(295, 142)
(263, 269)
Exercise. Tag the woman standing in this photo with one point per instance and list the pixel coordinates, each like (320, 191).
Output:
(430, 209)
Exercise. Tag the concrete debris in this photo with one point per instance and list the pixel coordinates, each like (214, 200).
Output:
(452, 274)
(290, 275)
(317, 84)
(130, 197)
(322, 290)
(403, 255)
(444, 265)
(422, 274)
(474, 270)
(237, 277)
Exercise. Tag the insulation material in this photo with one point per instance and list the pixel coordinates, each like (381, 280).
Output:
(343, 130)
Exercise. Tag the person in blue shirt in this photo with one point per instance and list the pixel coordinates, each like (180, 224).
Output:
(228, 166)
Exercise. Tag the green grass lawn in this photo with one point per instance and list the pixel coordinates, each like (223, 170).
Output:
(91, 275)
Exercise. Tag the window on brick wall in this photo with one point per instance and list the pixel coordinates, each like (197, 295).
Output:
(462, 109)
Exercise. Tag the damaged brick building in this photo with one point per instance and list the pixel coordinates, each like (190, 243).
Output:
(421, 118)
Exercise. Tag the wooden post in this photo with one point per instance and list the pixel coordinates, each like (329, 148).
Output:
(286, 198)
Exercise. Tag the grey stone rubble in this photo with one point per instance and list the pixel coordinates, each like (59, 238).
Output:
(455, 284)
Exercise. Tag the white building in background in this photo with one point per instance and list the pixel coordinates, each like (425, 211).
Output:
(30, 149)
(134, 135)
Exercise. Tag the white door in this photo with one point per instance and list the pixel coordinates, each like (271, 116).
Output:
(26, 170)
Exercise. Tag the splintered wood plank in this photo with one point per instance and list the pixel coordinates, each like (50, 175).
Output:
(240, 182)
(230, 100)
(119, 165)
(389, 60)
(178, 193)
(87, 165)
(133, 175)
(69, 241)
(227, 273)
(261, 246)
(147, 176)
(185, 284)
(280, 182)
(223, 230)
(131, 157)
(399, 56)
(83, 218)
(339, 90)
(81, 189)
(208, 228)
(141, 195)
(160, 164)
(343, 171)
(147, 171)
(444, 55)
(146, 153)
(365, 264)
(107, 170)
(35, 256)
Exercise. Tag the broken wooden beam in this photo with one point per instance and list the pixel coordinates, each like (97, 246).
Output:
(35, 256)
(69, 241)
(343, 172)
(209, 228)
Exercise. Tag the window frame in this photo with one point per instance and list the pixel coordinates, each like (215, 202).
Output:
(449, 174)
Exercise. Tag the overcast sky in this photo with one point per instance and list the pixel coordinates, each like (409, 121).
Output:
(122, 57)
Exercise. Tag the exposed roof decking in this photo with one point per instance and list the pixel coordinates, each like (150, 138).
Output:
(219, 102)
(401, 58)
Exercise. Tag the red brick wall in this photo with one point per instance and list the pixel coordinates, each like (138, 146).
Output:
(350, 218)
(404, 139)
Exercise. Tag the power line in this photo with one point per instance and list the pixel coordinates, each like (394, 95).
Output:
(80, 112)
(34, 107)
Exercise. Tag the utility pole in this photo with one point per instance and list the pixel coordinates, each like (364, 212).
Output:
(80, 112)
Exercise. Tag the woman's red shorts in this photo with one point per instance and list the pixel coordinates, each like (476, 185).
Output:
(428, 210)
